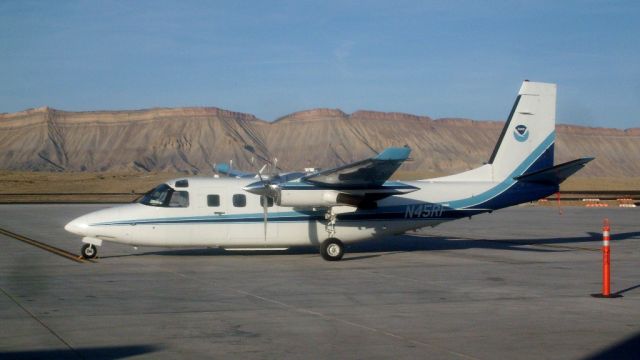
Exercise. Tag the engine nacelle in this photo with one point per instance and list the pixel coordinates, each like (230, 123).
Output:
(308, 198)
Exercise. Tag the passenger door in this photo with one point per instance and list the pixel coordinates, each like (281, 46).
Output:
(217, 228)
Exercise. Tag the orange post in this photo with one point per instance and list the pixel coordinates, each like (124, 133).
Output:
(606, 259)
(558, 201)
(606, 263)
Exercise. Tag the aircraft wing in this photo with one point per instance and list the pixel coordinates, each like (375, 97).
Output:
(226, 170)
(358, 184)
(371, 173)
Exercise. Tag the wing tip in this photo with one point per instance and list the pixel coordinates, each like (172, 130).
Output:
(394, 153)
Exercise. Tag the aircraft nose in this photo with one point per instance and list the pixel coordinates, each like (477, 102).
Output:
(76, 226)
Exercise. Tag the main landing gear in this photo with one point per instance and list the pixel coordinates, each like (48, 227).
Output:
(332, 249)
(88, 251)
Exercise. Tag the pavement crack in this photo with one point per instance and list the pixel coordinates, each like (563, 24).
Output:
(343, 321)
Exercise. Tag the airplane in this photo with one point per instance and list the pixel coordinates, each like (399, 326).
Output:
(332, 208)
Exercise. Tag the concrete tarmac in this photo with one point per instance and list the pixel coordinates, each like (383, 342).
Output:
(512, 284)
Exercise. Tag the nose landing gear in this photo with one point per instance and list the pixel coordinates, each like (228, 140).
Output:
(88, 251)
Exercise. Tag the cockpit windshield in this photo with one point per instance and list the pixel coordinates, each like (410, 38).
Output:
(165, 196)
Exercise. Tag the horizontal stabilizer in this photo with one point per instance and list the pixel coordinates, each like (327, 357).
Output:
(556, 174)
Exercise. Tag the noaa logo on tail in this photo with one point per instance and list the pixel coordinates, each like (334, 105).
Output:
(521, 133)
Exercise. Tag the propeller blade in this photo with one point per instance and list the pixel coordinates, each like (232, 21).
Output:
(274, 193)
(265, 202)
(262, 170)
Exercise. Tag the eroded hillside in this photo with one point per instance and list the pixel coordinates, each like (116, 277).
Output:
(193, 139)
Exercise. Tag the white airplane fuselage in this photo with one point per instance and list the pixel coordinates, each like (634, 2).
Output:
(344, 205)
(231, 226)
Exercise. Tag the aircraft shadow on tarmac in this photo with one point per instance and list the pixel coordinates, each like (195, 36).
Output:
(626, 349)
(411, 243)
(102, 352)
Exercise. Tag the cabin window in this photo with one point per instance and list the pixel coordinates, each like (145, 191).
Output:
(269, 201)
(179, 199)
(213, 200)
(239, 200)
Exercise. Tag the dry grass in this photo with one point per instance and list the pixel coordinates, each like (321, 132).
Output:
(19, 186)
(123, 187)
(81, 182)
(601, 184)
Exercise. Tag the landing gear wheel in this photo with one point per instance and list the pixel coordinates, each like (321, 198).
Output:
(88, 251)
(332, 249)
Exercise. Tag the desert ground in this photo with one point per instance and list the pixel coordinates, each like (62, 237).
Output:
(29, 187)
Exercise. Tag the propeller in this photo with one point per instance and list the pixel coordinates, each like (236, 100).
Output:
(265, 204)
(267, 189)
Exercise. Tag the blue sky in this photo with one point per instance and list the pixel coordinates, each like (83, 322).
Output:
(271, 58)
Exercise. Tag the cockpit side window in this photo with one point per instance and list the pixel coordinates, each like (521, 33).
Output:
(157, 196)
(179, 199)
(165, 196)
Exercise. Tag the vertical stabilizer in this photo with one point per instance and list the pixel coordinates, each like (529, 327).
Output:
(526, 141)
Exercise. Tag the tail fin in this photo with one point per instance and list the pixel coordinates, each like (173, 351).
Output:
(526, 141)
(521, 165)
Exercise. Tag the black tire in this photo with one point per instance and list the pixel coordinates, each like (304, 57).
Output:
(332, 249)
(88, 251)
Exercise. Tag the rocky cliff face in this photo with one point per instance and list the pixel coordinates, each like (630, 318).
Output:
(193, 139)
(190, 139)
